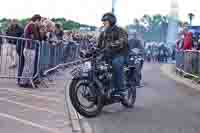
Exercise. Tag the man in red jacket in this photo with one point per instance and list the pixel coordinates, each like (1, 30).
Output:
(187, 41)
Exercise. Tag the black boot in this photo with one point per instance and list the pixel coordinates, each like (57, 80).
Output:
(120, 94)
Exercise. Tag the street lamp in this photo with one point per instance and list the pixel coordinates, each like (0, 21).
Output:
(113, 6)
(191, 16)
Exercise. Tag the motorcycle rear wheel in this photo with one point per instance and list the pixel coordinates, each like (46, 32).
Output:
(130, 102)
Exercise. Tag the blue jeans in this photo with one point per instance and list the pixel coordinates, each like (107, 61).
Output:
(118, 72)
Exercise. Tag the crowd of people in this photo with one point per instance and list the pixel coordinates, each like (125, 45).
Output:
(188, 40)
(187, 46)
(158, 52)
(37, 30)
(42, 29)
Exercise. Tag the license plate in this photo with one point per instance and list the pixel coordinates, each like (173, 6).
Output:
(87, 66)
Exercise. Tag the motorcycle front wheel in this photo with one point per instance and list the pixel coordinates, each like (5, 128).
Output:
(87, 103)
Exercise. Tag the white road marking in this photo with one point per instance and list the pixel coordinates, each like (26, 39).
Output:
(24, 92)
(29, 123)
(33, 95)
(31, 107)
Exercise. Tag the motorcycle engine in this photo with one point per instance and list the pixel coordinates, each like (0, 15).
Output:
(103, 73)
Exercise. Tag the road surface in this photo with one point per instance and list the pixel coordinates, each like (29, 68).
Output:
(162, 106)
(40, 110)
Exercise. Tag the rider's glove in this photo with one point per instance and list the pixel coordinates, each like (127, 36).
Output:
(115, 44)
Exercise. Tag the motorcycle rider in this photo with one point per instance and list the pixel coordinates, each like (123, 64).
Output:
(115, 40)
(134, 42)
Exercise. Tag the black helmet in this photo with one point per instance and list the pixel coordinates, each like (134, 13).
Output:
(109, 17)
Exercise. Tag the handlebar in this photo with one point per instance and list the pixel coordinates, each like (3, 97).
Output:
(136, 51)
(93, 52)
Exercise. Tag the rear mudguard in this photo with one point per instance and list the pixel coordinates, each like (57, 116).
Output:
(132, 75)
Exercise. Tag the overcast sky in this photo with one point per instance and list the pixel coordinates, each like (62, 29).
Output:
(90, 11)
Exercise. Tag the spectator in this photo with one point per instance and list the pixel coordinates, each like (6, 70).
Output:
(32, 31)
(155, 53)
(59, 32)
(198, 46)
(173, 54)
(148, 53)
(20, 49)
(179, 44)
(1, 43)
(50, 26)
(67, 36)
(187, 41)
(43, 33)
(13, 30)
(59, 50)
(161, 53)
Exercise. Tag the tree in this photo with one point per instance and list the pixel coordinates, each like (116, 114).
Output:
(71, 25)
(4, 20)
(4, 24)
(67, 24)
(24, 22)
(191, 17)
(153, 27)
(147, 19)
(61, 20)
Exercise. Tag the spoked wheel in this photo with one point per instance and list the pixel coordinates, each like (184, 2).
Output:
(130, 102)
(84, 99)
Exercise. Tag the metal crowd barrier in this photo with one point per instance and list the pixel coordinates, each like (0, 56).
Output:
(180, 59)
(52, 55)
(188, 63)
(25, 59)
(18, 59)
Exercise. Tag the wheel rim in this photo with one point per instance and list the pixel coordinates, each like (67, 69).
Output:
(83, 93)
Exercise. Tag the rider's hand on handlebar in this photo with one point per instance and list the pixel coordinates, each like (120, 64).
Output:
(136, 51)
(115, 44)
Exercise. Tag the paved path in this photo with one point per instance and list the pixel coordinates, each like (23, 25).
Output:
(40, 110)
(162, 106)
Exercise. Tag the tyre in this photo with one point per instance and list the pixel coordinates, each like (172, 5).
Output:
(95, 101)
(130, 102)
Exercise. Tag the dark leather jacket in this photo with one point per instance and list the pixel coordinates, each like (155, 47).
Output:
(115, 39)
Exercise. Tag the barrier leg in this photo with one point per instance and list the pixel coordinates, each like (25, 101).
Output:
(32, 83)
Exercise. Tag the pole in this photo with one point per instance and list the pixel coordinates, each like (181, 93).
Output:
(113, 6)
(113, 10)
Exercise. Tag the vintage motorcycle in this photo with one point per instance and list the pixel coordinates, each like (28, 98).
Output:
(91, 86)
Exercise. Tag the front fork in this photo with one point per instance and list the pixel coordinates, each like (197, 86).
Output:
(94, 81)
